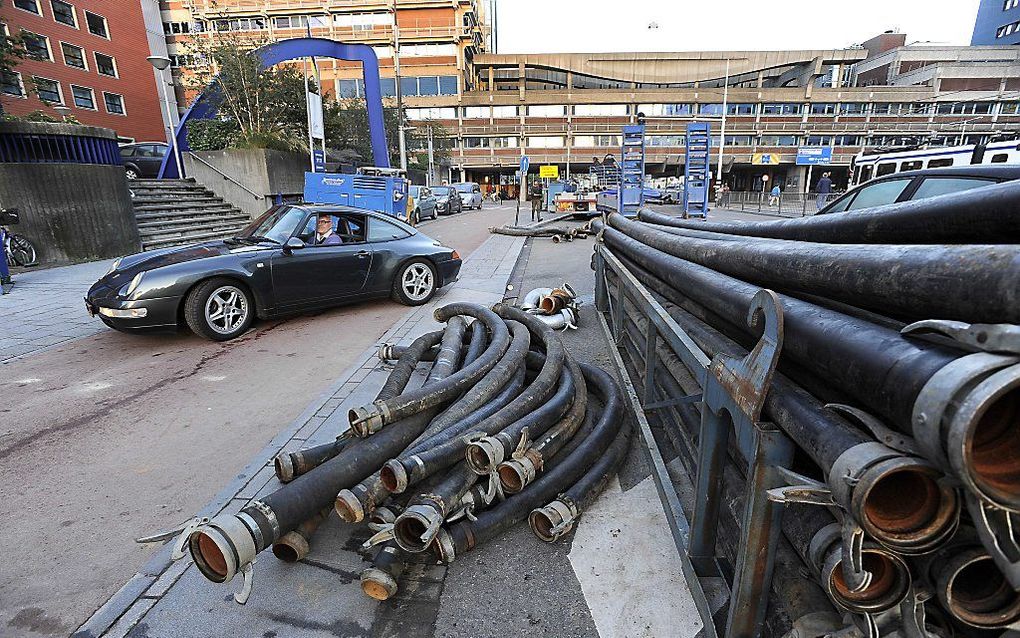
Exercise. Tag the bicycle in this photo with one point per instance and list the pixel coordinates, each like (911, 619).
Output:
(19, 250)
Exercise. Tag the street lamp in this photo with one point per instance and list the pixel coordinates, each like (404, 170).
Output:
(161, 64)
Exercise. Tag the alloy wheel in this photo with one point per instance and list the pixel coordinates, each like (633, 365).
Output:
(417, 282)
(226, 309)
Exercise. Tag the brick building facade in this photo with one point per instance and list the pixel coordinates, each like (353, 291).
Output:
(88, 55)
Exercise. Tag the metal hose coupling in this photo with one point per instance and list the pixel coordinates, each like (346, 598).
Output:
(517, 473)
(396, 476)
(291, 547)
(555, 520)
(483, 454)
(965, 416)
(224, 547)
(888, 581)
(367, 420)
(284, 465)
(443, 546)
(378, 584)
(348, 507)
(900, 500)
(416, 528)
(386, 353)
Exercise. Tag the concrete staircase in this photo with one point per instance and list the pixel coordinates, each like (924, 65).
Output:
(176, 212)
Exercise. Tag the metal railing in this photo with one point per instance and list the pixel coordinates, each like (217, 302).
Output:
(653, 352)
(786, 205)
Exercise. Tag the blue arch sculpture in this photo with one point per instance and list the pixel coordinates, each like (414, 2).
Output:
(204, 106)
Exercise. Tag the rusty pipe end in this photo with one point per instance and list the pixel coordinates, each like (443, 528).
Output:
(365, 420)
(394, 476)
(552, 522)
(349, 507)
(284, 465)
(378, 584)
(383, 515)
(983, 439)
(904, 505)
(974, 591)
(222, 547)
(443, 547)
(516, 474)
(484, 454)
(415, 529)
(291, 547)
(889, 585)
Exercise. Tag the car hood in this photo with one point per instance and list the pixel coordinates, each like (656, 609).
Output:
(138, 262)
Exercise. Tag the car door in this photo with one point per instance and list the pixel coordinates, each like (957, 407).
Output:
(428, 203)
(149, 157)
(316, 276)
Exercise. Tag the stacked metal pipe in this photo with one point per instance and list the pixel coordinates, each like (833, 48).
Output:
(506, 426)
(898, 381)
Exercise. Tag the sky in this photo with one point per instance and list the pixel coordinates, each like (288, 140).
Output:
(596, 26)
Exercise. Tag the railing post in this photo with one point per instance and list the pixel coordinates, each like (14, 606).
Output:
(759, 534)
(712, 442)
(651, 344)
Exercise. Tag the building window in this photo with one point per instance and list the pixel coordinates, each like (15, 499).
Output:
(653, 110)
(818, 140)
(84, 98)
(503, 142)
(846, 140)
(476, 142)
(388, 87)
(408, 86)
(97, 25)
(739, 140)
(665, 140)
(965, 108)
(547, 110)
(731, 109)
(114, 103)
(74, 56)
(37, 46)
(612, 141)
(436, 113)
(476, 111)
(428, 86)
(32, 6)
(1009, 4)
(448, 85)
(600, 110)
(363, 21)
(781, 108)
(11, 84)
(778, 140)
(48, 90)
(106, 65)
(428, 50)
(63, 12)
(504, 111)
(823, 108)
(853, 108)
(1009, 108)
(351, 88)
(545, 141)
(175, 28)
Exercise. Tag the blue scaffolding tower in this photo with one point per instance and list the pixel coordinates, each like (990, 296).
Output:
(632, 170)
(697, 171)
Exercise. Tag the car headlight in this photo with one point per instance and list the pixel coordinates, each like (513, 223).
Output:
(132, 285)
(115, 265)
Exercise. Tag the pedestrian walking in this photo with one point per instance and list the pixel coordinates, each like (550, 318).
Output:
(536, 201)
(724, 196)
(5, 271)
(774, 195)
(824, 188)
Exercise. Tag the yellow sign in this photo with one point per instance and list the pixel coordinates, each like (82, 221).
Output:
(765, 159)
(551, 172)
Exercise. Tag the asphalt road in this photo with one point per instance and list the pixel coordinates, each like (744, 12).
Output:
(113, 436)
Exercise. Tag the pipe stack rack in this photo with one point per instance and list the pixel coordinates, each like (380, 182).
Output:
(843, 395)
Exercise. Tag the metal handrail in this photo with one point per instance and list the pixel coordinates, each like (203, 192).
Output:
(227, 177)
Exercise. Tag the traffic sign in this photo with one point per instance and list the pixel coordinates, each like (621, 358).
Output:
(524, 164)
(549, 172)
(765, 159)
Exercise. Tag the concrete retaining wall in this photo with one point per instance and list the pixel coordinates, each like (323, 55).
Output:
(71, 212)
(249, 178)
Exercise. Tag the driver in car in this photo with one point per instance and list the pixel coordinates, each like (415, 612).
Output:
(324, 235)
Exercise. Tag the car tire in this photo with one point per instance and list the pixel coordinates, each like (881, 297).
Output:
(415, 283)
(416, 217)
(219, 309)
(131, 173)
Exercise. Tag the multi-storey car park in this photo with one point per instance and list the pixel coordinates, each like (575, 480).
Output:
(567, 109)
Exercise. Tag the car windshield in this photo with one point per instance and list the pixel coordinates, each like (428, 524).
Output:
(442, 192)
(465, 188)
(277, 224)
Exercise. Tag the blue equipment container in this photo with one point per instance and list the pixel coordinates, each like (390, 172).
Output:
(697, 169)
(385, 191)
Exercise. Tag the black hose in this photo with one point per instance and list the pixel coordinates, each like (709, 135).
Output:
(478, 338)
(400, 473)
(977, 284)
(419, 523)
(465, 535)
(985, 215)
(558, 517)
(381, 413)
(290, 465)
(877, 367)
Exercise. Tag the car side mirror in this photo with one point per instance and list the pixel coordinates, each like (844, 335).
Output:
(293, 244)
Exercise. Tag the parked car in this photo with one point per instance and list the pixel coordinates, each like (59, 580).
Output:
(911, 185)
(274, 267)
(448, 200)
(143, 159)
(470, 195)
(424, 203)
